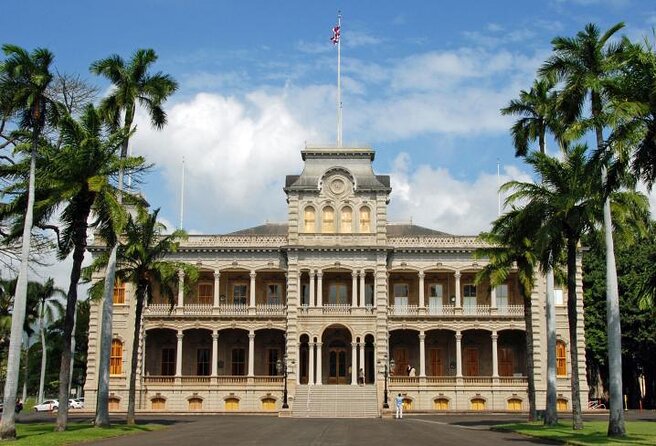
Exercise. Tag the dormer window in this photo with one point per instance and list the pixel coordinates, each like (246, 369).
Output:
(310, 219)
(365, 219)
(346, 223)
(328, 221)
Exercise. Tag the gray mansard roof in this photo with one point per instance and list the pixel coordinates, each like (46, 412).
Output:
(393, 230)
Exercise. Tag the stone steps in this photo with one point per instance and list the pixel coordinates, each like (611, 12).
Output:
(335, 401)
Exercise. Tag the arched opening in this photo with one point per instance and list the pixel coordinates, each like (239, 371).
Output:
(268, 404)
(336, 355)
(161, 351)
(512, 353)
(561, 358)
(440, 404)
(562, 405)
(440, 353)
(158, 403)
(195, 404)
(476, 353)
(231, 404)
(270, 346)
(404, 350)
(477, 404)
(328, 220)
(114, 404)
(407, 404)
(514, 405)
(346, 220)
(233, 352)
(304, 358)
(116, 358)
(197, 352)
(369, 359)
(365, 219)
(309, 220)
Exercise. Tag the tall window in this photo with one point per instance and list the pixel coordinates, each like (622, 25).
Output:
(401, 292)
(238, 361)
(369, 294)
(310, 219)
(558, 297)
(272, 361)
(337, 294)
(502, 296)
(168, 361)
(273, 293)
(205, 293)
(435, 294)
(116, 358)
(239, 293)
(119, 292)
(203, 362)
(561, 359)
(346, 223)
(365, 219)
(328, 223)
(469, 298)
(305, 294)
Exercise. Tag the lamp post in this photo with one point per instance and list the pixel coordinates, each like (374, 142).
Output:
(386, 375)
(283, 367)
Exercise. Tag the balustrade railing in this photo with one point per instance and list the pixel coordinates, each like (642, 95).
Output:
(403, 310)
(486, 380)
(444, 310)
(511, 310)
(476, 310)
(271, 309)
(206, 380)
(198, 309)
(336, 308)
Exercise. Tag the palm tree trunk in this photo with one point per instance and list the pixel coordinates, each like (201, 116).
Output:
(8, 423)
(26, 369)
(44, 353)
(140, 294)
(551, 414)
(572, 319)
(70, 375)
(80, 240)
(530, 360)
(102, 399)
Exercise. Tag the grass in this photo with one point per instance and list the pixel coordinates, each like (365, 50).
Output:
(593, 433)
(42, 434)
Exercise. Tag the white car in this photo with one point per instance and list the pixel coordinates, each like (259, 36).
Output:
(75, 404)
(47, 406)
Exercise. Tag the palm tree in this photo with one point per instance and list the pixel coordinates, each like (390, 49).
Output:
(133, 85)
(538, 114)
(26, 76)
(511, 248)
(141, 262)
(587, 64)
(50, 308)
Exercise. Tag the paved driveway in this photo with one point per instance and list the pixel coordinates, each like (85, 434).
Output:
(257, 430)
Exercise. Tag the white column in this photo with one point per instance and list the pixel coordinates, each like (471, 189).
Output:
(493, 297)
(319, 289)
(312, 274)
(319, 377)
(252, 289)
(361, 364)
(354, 363)
(422, 353)
(311, 363)
(495, 354)
(178, 355)
(458, 302)
(217, 288)
(422, 304)
(363, 275)
(354, 289)
(251, 353)
(181, 277)
(458, 354)
(215, 352)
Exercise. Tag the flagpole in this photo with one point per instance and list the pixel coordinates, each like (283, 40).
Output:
(339, 80)
(182, 193)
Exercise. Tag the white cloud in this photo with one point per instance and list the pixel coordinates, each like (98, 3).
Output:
(432, 197)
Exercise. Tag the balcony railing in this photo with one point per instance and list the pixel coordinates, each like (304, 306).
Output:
(221, 310)
(511, 310)
(404, 310)
(217, 380)
(444, 310)
(476, 310)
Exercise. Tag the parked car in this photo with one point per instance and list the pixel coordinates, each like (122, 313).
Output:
(47, 406)
(75, 404)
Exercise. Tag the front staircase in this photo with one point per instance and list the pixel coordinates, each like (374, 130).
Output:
(335, 401)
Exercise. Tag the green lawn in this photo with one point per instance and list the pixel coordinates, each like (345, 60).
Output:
(593, 433)
(41, 434)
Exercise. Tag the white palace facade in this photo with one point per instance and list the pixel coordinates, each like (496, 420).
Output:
(341, 294)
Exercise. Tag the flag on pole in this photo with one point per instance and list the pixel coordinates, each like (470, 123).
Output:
(335, 38)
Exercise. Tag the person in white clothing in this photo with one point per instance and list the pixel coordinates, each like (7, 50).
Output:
(399, 406)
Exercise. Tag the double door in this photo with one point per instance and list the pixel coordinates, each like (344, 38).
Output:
(338, 368)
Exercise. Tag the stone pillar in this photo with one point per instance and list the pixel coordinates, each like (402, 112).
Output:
(319, 377)
(354, 289)
(422, 353)
(311, 363)
(458, 301)
(493, 297)
(217, 288)
(319, 289)
(422, 303)
(361, 363)
(181, 277)
(215, 352)
(312, 274)
(458, 354)
(495, 355)
(251, 353)
(354, 363)
(363, 275)
(178, 355)
(252, 290)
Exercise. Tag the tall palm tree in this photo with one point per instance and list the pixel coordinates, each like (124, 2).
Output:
(141, 262)
(133, 85)
(50, 308)
(538, 114)
(587, 64)
(511, 248)
(26, 77)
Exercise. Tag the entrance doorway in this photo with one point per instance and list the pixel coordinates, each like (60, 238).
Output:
(336, 356)
(337, 366)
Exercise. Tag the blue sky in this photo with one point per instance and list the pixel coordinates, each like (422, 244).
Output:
(422, 84)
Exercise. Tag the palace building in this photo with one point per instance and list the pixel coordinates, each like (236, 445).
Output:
(335, 296)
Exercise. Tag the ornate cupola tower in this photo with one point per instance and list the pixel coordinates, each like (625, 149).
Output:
(337, 199)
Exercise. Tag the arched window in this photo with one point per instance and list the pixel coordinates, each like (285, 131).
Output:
(195, 404)
(114, 404)
(268, 404)
(231, 404)
(514, 405)
(477, 404)
(158, 403)
(561, 359)
(119, 292)
(441, 404)
(365, 219)
(309, 219)
(346, 223)
(561, 405)
(328, 223)
(116, 358)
